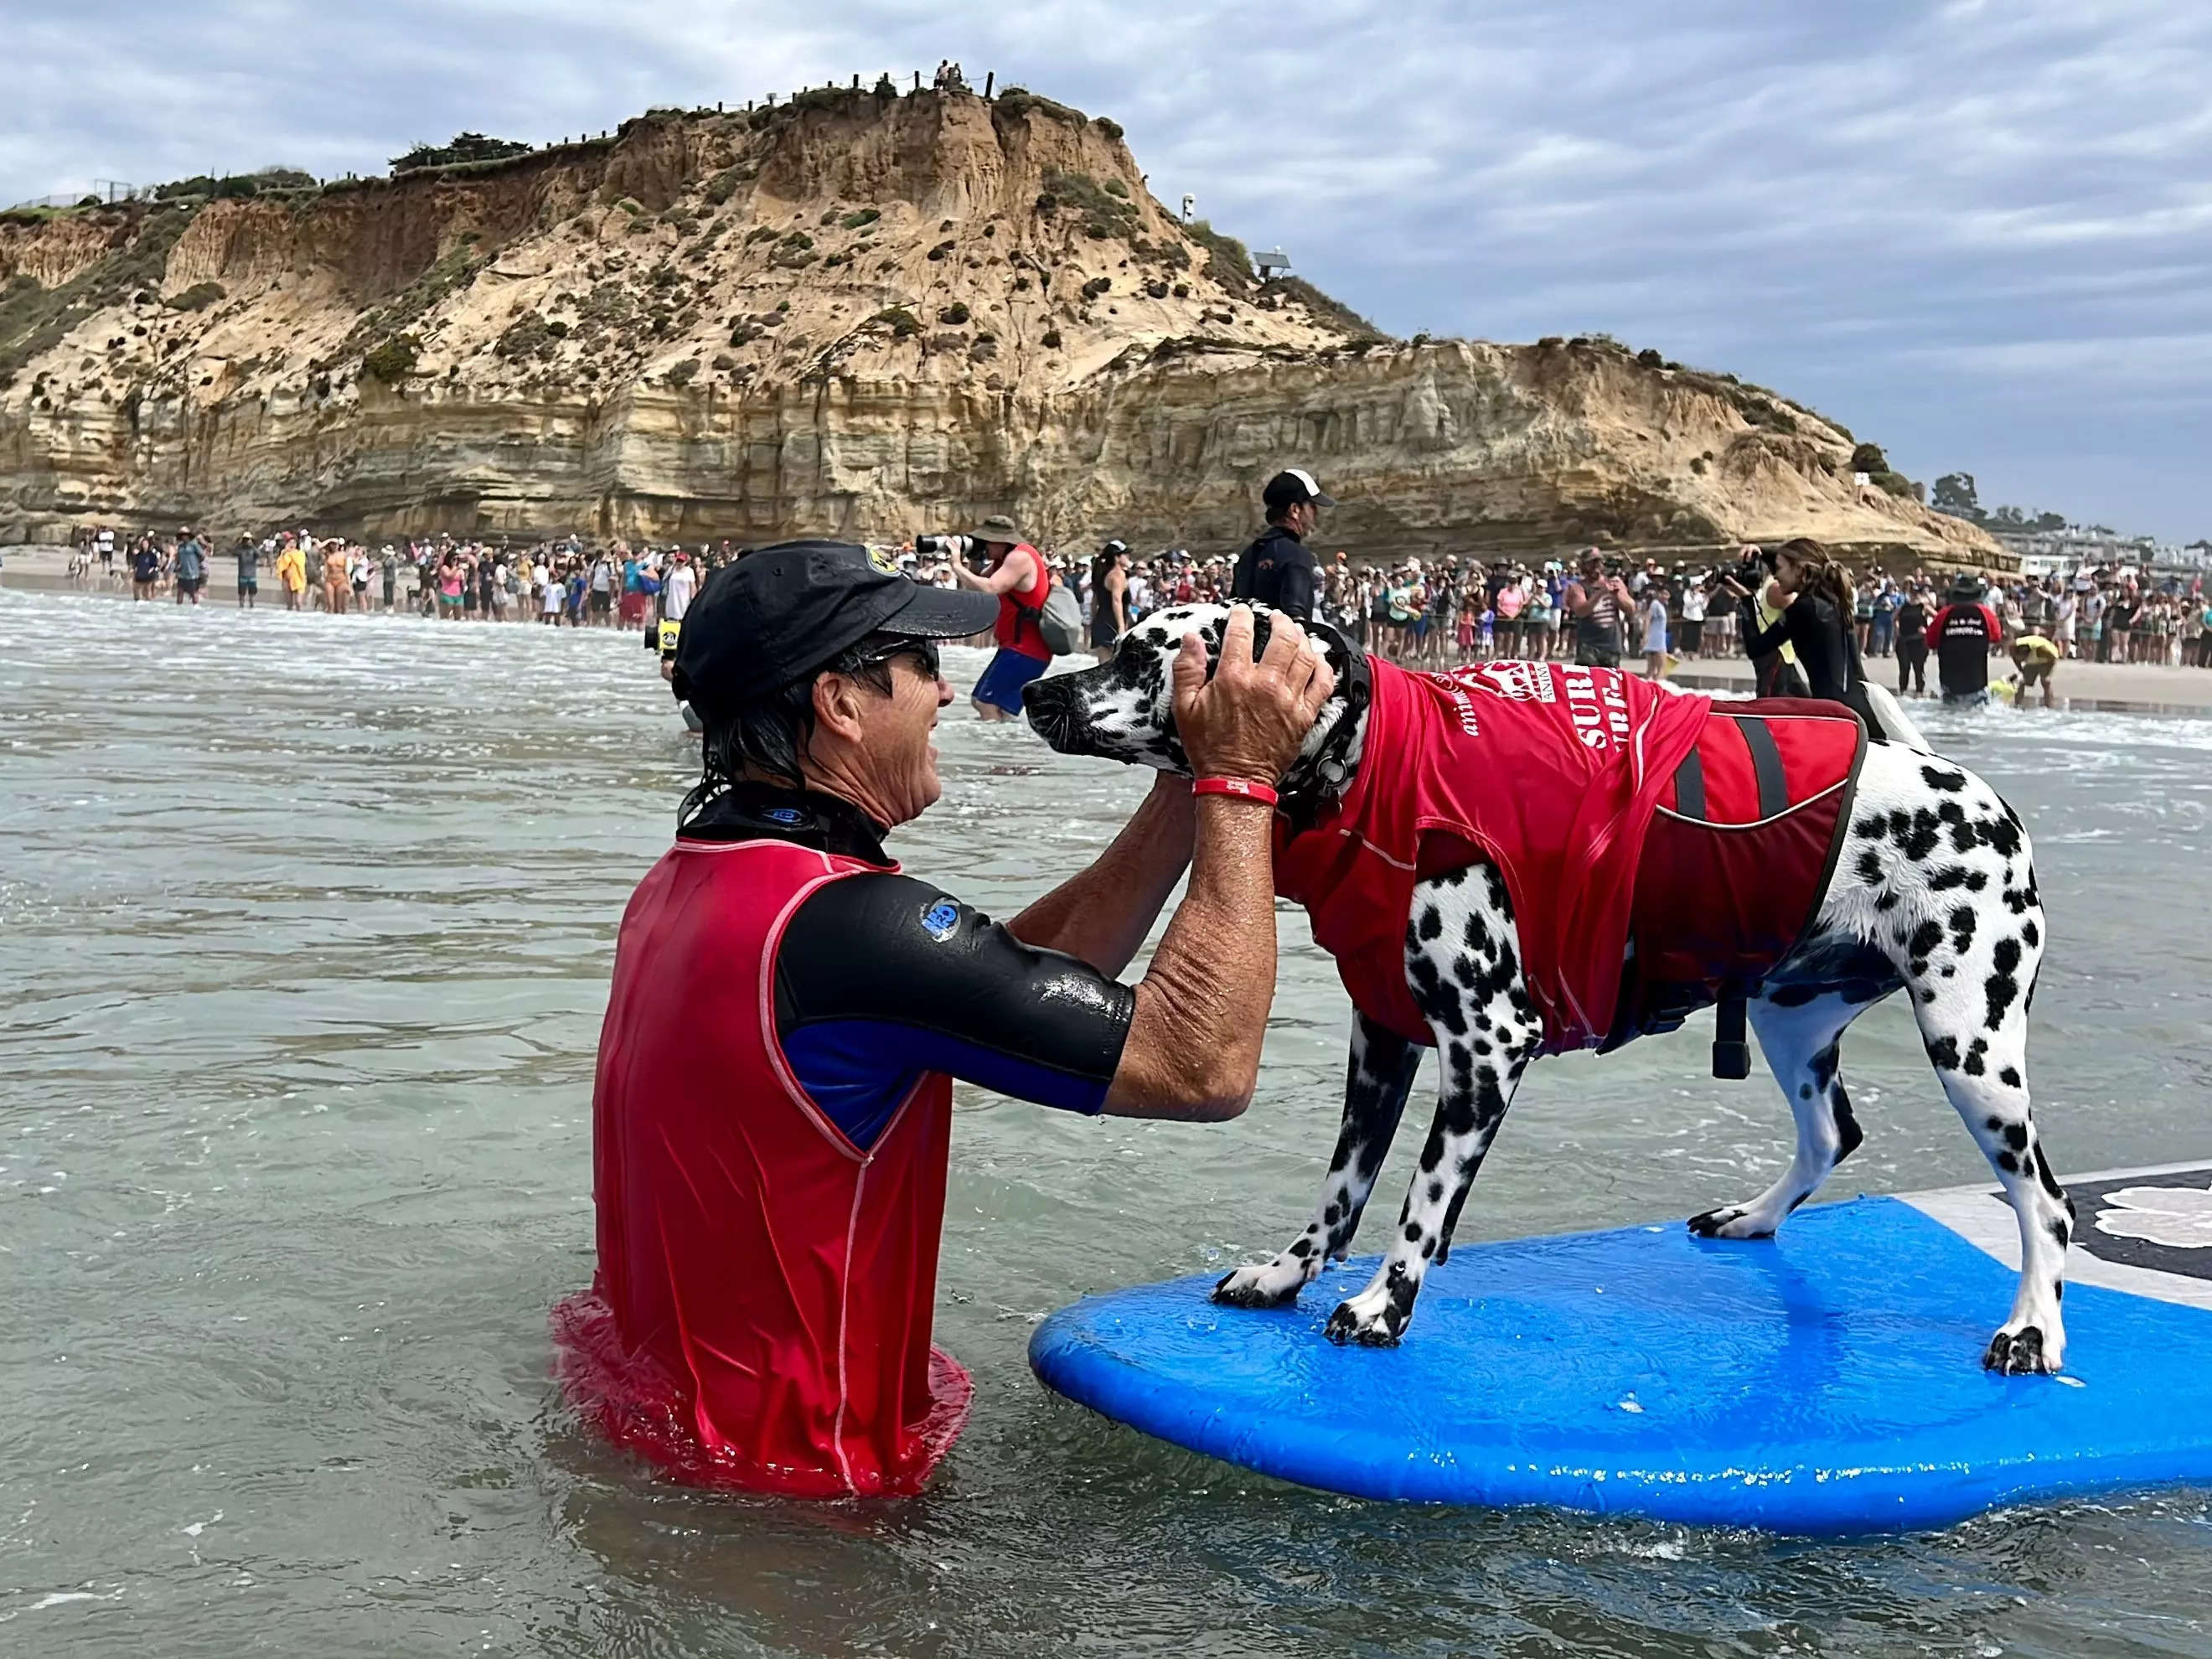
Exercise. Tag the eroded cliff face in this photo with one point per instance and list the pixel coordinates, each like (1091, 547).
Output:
(860, 316)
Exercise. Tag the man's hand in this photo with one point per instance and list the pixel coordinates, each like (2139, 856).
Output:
(1250, 721)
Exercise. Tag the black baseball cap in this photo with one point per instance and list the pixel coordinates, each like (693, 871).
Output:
(782, 613)
(1290, 489)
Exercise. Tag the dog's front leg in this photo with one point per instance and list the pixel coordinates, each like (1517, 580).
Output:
(1377, 1080)
(1463, 963)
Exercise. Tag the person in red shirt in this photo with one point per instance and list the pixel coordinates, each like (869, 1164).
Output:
(772, 1112)
(1019, 581)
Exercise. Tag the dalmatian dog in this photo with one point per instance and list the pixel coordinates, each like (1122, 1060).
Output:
(1933, 893)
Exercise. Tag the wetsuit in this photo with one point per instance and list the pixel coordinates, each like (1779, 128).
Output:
(1825, 650)
(1278, 570)
(771, 1123)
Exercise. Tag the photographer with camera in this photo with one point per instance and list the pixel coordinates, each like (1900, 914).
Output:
(1775, 672)
(1014, 573)
(1599, 602)
(1813, 605)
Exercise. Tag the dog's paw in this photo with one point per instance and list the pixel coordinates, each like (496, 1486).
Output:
(2022, 1352)
(1732, 1221)
(1260, 1285)
(1347, 1325)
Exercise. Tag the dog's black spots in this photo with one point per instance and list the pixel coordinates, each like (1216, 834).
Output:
(1331, 1215)
(1436, 1192)
(1925, 937)
(2000, 987)
(1927, 995)
(1948, 970)
(1994, 1123)
(1431, 924)
(1301, 1248)
(1964, 836)
(1477, 934)
(1951, 812)
(2030, 934)
(1428, 1248)
(1941, 778)
(2016, 901)
(1917, 840)
(1887, 901)
(1412, 1232)
(1977, 881)
(1804, 1091)
(2015, 1136)
(1869, 867)
(1431, 1155)
(1849, 1136)
(2003, 833)
(1955, 876)
(1943, 1053)
(1971, 1066)
(1962, 928)
(1452, 877)
(1873, 829)
(2049, 1183)
(2059, 1231)
(2006, 1161)
(1823, 1065)
(1482, 1022)
(2009, 1077)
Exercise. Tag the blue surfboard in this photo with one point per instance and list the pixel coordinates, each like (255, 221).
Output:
(1826, 1380)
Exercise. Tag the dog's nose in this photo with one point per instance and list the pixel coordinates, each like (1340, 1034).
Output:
(1052, 713)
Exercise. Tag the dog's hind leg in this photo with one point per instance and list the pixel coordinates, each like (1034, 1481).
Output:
(1463, 963)
(1377, 1080)
(1799, 1033)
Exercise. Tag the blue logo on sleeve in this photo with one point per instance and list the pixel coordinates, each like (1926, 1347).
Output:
(940, 919)
(784, 815)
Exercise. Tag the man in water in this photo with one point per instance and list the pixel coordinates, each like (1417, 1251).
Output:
(773, 1109)
(1016, 578)
(2033, 658)
(1278, 568)
(1960, 636)
(192, 566)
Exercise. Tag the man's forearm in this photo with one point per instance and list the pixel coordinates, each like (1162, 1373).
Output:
(1103, 915)
(1201, 1013)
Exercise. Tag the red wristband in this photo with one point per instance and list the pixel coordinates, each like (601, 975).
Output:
(1241, 788)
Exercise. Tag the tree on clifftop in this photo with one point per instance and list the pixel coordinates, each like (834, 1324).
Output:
(466, 147)
(1955, 495)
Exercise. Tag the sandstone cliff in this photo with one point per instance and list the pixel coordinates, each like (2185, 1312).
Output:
(857, 314)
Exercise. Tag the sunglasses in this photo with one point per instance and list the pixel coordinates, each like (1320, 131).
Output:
(923, 651)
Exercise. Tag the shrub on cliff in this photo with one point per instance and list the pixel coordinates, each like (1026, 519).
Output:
(198, 297)
(394, 360)
(465, 147)
(526, 337)
(724, 185)
(1228, 261)
(1869, 457)
(683, 373)
(902, 322)
(856, 221)
(955, 313)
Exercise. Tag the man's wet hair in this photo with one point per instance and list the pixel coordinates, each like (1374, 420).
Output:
(769, 735)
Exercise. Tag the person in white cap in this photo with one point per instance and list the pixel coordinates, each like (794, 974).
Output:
(1278, 569)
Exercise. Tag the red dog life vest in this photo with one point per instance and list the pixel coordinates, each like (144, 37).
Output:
(1549, 772)
(761, 1314)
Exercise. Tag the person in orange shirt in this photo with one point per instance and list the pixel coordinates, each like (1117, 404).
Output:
(292, 574)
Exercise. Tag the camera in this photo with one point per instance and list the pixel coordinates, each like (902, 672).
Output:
(950, 547)
(1752, 574)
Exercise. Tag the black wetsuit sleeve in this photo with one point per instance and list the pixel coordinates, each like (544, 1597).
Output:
(880, 978)
(1294, 589)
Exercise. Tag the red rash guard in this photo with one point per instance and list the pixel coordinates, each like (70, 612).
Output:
(1018, 629)
(772, 1334)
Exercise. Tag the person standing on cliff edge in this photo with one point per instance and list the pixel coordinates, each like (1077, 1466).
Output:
(1278, 569)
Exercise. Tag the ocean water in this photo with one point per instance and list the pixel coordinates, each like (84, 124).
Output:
(306, 924)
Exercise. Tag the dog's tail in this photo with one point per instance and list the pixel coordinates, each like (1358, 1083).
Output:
(1891, 718)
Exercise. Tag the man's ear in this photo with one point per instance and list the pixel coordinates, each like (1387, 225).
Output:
(837, 706)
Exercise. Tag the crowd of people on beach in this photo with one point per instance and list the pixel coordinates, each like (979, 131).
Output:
(1436, 612)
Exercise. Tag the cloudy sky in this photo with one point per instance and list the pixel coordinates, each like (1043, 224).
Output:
(1978, 233)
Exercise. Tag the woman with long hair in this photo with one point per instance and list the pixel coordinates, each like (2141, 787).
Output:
(1818, 602)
